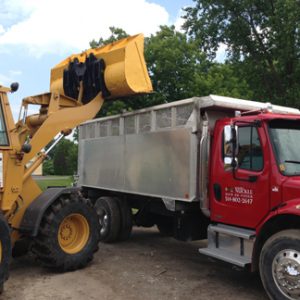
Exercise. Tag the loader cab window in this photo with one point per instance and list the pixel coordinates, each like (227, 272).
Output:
(3, 132)
(250, 155)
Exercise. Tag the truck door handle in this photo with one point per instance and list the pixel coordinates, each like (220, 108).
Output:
(218, 191)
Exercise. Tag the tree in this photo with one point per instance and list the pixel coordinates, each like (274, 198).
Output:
(262, 39)
(222, 79)
(65, 158)
(48, 168)
(116, 106)
(115, 35)
(178, 70)
(174, 62)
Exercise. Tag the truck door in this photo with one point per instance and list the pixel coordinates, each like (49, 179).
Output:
(240, 197)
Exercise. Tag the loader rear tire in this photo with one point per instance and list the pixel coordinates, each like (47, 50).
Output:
(69, 234)
(109, 215)
(5, 251)
(126, 220)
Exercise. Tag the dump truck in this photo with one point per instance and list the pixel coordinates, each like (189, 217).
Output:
(61, 224)
(216, 168)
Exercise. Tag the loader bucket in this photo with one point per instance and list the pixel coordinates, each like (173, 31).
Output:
(125, 71)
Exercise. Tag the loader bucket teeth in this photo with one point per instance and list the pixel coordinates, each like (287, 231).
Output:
(122, 73)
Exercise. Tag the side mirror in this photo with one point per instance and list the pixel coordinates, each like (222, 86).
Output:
(14, 87)
(230, 147)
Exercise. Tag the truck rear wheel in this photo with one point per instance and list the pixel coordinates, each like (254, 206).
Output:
(126, 220)
(165, 226)
(109, 215)
(280, 265)
(68, 235)
(5, 251)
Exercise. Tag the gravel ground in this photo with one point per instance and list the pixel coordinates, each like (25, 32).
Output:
(146, 267)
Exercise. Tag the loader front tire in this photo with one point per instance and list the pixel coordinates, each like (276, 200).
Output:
(5, 251)
(68, 235)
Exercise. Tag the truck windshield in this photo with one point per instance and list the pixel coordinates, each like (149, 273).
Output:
(285, 136)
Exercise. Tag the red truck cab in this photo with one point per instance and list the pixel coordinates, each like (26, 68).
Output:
(254, 184)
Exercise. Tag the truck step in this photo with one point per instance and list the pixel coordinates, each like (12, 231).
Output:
(229, 257)
(229, 243)
(233, 231)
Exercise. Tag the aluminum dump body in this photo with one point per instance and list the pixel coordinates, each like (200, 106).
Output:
(154, 151)
(150, 152)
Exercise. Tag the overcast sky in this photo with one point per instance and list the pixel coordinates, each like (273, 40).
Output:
(35, 35)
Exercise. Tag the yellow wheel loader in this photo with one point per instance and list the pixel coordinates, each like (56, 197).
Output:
(61, 223)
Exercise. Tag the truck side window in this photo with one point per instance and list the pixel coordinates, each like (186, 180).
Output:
(250, 155)
(3, 133)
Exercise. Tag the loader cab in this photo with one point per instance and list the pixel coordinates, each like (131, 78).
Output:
(3, 130)
(4, 140)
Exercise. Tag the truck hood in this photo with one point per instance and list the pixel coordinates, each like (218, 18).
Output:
(291, 188)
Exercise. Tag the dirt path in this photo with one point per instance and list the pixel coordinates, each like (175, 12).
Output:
(145, 267)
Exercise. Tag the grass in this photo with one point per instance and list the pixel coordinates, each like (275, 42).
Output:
(49, 181)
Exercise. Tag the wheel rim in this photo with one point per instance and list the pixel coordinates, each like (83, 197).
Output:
(73, 233)
(286, 273)
(103, 220)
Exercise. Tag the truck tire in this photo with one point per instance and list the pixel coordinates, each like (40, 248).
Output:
(68, 235)
(5, 251)
(126, 220)
(165, 226)
(279, 265)
(109, 216)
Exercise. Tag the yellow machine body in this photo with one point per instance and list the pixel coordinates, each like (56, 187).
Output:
(125, 74)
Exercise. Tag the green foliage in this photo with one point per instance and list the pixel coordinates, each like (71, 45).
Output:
(44, 183)
(222, 79)
(48, 168)
(262, 38)
(173, 63)
(113, 107)
(178, 70)
(75, 134)
(65, 158)
(116, 34)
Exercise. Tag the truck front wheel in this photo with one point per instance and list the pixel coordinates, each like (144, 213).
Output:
(280, 265)
(68, 235)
